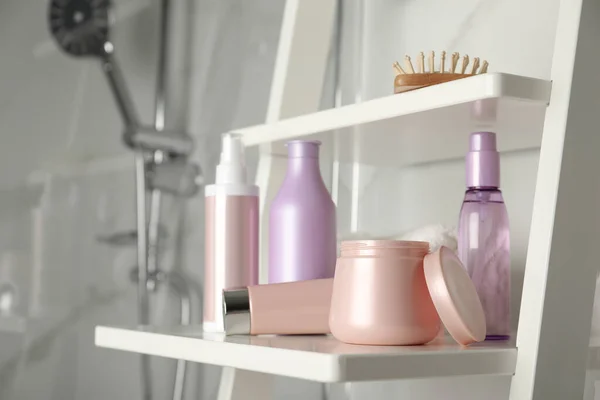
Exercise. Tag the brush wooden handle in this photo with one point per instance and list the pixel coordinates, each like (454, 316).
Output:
(404, 83)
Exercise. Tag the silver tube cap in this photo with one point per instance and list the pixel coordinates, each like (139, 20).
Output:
(236, 312)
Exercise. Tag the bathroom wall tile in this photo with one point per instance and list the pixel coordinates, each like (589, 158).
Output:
(85, 283)
(59, 118)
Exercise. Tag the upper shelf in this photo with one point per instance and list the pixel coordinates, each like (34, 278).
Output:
(424, 125)
(318, 358)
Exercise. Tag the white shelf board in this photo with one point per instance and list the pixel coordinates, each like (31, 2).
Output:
(317, 358)
(425, 125)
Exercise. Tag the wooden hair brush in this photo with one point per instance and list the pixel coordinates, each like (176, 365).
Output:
(408, 78)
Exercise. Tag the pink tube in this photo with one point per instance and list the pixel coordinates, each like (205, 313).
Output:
(293, 308)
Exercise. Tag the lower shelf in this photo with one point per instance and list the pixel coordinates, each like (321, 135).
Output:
(316, 358)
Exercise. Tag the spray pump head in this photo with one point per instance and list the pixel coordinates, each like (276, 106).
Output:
(232, 166)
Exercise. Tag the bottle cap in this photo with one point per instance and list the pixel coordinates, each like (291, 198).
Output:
(236, 311)
(483, 161)
(454, 296)
(303, 148)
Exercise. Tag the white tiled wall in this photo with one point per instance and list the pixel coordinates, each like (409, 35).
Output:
(65, 179)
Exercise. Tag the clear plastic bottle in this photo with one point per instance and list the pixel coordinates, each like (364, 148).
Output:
(483, 234)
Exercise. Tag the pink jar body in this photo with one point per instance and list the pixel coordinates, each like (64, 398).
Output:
(380, 296)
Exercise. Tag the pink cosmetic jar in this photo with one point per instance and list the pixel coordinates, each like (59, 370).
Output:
(388, 292)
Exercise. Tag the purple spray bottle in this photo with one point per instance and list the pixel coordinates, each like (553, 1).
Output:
(483, 234)
(302, 223)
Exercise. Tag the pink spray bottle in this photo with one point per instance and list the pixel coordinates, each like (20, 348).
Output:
(231, 236)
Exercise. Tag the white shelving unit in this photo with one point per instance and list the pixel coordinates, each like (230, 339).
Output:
(554, 354)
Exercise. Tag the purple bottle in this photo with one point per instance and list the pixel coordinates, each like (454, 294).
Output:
(302, 225)
(483, 234)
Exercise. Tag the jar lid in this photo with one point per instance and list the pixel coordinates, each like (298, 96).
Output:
(454, 296)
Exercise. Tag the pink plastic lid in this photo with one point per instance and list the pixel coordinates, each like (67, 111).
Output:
(454, 296)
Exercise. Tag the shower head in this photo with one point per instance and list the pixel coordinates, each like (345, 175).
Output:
(80, 27)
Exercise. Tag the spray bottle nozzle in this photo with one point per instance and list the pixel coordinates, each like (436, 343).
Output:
(232, 150)
(232, 167)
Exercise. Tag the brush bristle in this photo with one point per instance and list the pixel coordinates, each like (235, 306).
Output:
(476, 66)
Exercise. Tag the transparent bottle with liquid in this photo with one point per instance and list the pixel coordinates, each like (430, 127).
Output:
(484, 236)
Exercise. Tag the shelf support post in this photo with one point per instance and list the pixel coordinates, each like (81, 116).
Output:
(562, 258)
(239, 384)
(590, 386)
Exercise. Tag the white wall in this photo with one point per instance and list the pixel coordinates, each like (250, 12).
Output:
(66, 178)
